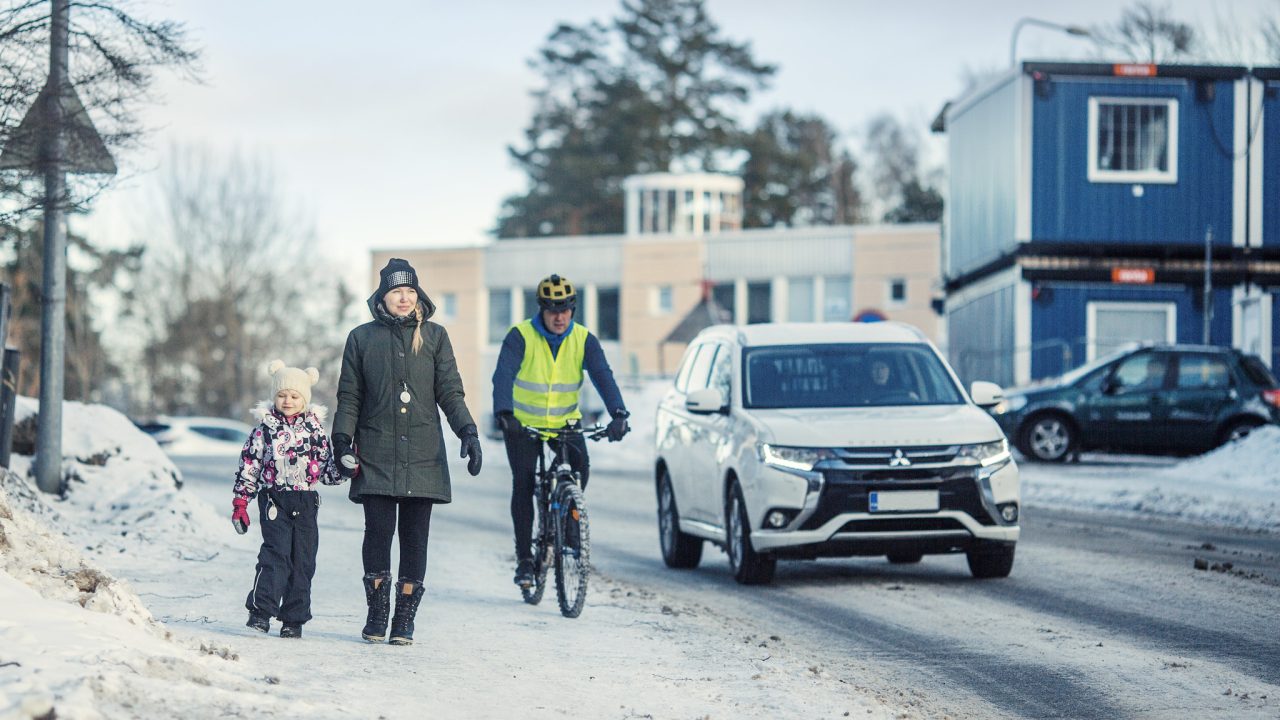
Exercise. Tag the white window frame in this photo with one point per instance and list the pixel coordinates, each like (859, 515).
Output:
(1099, 175)
(660, 305)
(447, 313)
(1091, 320)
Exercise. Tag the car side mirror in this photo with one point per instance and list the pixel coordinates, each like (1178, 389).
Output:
(985, 394)
(1109, 386)
(705, 401)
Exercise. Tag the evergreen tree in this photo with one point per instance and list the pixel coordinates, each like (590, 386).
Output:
(649, 93)
(794, 174)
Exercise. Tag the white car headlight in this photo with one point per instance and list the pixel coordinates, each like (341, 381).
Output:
(792, 458)
(991, 453)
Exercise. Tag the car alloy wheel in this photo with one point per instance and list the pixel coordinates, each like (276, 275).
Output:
(1049, 438)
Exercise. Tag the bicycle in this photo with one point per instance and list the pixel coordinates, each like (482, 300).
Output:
(561, 532)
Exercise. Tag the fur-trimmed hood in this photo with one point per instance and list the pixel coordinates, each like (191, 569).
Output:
(265, 411)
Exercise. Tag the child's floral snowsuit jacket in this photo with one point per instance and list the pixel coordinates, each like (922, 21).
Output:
(285, 454)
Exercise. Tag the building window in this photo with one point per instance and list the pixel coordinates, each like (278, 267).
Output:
(897, 291)
(499, 314)
(530, 303)
(800, 299)
(837, 299)
(723, 294)
(1110, 326)
(448, 307)
(759, 302)
(607, 313)
(1133, 140)
(660, 300)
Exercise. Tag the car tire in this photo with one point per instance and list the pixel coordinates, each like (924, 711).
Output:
(749, 567)
(679, 549)
(1047, 438)
(990, 560)
(904, 558)
(1237, 430)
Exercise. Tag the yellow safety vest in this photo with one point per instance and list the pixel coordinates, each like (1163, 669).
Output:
(546, 388)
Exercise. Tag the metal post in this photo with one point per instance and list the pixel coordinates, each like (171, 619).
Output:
(8, 402)
(1208, 280)
(53, 321)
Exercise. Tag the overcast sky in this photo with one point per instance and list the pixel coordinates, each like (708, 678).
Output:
(388, 124)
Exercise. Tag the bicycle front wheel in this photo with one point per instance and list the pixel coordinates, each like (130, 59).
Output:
(572, 549)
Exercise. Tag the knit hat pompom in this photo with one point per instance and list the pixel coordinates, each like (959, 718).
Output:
(290, 378)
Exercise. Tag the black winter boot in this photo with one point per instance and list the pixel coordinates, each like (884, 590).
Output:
(406, 609)
(259, 621)
(291, 630)
(379, 599)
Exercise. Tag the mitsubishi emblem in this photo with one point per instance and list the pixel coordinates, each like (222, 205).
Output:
(899, 459)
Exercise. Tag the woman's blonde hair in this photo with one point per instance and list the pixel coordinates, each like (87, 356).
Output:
(420, 313)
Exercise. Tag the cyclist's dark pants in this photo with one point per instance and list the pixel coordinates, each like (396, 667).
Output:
(380, 526)
(522, 454)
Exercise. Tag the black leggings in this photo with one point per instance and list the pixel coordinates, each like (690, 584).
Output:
(380, 525)
(522, 454)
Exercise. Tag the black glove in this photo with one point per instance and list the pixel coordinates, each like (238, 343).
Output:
(345, 458)
(618, 426)
(508, 422)
(470, 448)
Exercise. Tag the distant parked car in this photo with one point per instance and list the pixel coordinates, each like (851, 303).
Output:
(193, 435)
(1155, 399)
(815, 440)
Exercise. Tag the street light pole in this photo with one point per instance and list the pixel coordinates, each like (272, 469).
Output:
(53, 318)
(1017, 27)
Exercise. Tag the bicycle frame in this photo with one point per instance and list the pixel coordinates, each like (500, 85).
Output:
(558, 495)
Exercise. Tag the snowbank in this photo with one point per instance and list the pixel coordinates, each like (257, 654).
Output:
(76, 642)
(1237, 485)
(119, 483)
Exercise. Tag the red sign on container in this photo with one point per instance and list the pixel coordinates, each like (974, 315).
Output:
(1133, 275)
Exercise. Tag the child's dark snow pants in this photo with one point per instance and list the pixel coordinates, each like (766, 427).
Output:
(287, 560)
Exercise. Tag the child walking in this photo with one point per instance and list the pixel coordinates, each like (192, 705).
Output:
(283, 459)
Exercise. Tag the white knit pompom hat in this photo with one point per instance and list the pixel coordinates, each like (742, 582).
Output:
(288, 378)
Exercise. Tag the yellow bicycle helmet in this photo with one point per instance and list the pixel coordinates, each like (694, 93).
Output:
(556, 293)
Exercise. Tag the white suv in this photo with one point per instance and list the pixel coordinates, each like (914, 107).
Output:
(830, 440)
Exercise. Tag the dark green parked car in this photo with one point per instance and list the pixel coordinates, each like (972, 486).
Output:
(1159, 399)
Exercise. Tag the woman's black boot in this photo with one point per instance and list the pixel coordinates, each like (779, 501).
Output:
(377, 591)
(406, 609)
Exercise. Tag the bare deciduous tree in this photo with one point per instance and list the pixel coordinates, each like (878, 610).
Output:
(233, 281)
(1147, 32)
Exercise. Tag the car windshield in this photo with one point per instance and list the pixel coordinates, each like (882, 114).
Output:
(1070, 377)
(852, 375)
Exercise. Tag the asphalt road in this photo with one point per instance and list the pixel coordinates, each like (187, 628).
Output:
(1103, 616)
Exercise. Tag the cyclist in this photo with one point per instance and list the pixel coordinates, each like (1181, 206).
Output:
(536, 383)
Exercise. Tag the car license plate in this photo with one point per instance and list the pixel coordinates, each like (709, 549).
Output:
(902, 500)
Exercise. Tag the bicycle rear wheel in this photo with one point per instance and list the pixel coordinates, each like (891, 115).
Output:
(572, 549)
(542, 548)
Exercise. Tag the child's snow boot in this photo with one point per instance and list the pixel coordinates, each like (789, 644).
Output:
(259, 621)
(408, 595)
(377, 591)
(291, 630)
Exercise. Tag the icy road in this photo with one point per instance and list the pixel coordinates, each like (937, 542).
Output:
(1104, 616)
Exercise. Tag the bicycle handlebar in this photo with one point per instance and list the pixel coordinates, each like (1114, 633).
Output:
(593, 432)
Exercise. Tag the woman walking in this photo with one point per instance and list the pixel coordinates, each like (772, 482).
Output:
(387, 436)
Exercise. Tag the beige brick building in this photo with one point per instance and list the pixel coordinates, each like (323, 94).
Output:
(635, 288)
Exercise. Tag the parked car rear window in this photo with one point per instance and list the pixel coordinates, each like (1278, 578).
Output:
(1257, 371)
(848, 375)
(1196, 372)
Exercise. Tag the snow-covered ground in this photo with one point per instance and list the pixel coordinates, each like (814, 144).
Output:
(125, 599)
(78, 641)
